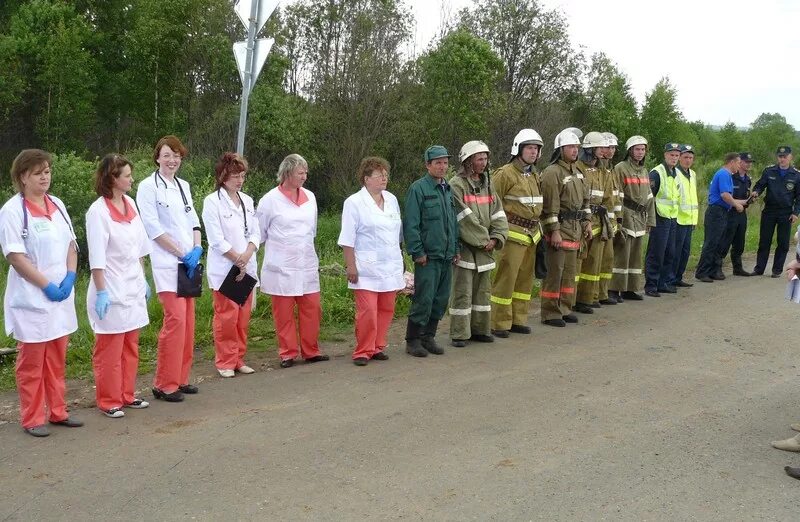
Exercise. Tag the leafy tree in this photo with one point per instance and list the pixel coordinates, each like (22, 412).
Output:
(661, 119)
(767, 133)
(610, 105)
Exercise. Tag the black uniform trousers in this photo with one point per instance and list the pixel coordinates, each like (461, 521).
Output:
(716, 222)
(770, 220)
(734, 238)
(658, 265)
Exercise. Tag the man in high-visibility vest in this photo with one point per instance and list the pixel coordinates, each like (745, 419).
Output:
(688, 214)
(517, 187)
(661, 245)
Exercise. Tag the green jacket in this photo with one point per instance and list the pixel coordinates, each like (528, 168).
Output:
(429, 223)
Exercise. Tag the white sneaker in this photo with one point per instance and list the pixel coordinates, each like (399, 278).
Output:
(226, 373)
(245, 369)
(114, 413)
(138, 404)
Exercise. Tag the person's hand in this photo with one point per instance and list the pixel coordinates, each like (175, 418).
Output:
(587, 229)
(739, 208)
(555, 239)
(490, 245)
(67, 283)
(753, 195)
(192, 258)
(241, 275)
(456, 258)
(54, 293)
(243, 260)
(102, 303)
(352, 274)
(148, 293)
(793, 219)
(421, 260)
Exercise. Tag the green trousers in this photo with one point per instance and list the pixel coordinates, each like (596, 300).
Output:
(431, 291)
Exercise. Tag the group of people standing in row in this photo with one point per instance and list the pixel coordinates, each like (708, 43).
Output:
(587, 216)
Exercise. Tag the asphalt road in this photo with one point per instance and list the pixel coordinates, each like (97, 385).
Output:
(645, 411)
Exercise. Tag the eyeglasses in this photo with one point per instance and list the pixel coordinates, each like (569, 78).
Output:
(382, 175)
(240, 175)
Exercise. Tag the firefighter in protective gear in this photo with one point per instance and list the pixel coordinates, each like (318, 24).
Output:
(482, 229)
(612, 202)
(567, 220)
(517, 187)
(593, 149)
(636, 219)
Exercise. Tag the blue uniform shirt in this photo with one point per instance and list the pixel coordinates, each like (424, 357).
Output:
(721, 183)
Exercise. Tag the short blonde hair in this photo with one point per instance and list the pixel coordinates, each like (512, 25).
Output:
(289, 164)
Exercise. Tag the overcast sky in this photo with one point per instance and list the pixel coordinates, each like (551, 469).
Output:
(730, 60)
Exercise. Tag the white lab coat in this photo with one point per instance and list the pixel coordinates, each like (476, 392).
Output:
(29, 316)
(375, 236)
(224, 225)
(291, 266)
(162, 211)
(117, 248)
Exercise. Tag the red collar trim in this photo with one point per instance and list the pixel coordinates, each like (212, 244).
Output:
(37, 211)
(116, 215)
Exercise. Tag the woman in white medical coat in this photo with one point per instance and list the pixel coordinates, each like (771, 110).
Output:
(287, 217)
(171, 222)
(118, 291)
(233, 236)
(39, 303)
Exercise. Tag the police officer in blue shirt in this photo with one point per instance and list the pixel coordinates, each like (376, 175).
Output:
(781, 208)
(720, 201)
(737, 221)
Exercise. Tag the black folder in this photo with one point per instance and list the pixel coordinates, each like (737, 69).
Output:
(237, 291)
(190, 287)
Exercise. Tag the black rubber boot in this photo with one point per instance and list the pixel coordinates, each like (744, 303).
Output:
(429, 338)
(413, 341)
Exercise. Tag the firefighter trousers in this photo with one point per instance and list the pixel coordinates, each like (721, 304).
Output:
(470, 312)
(589, 272)
(558, 288)
(606, 265)
(626, 275)
(513, 282)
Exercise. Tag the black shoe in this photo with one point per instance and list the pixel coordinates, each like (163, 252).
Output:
(175, 396)
(582, 308)
(608, 301)
(520, 329)
(360, 361)
(503, 334)
(428, 338)
(380, 356)
(481, 338)
(632, 296)
(555, 322)
(775, 275)
(719, 276)
(413, 342)
(792, 472)
(459, 343)
(652, 293)
(616, 296)
(683, 284)
(598, 304)
(757, 272)
(317, 358)
(705, 279)
(668, 290)
(740, 272)
(570, 318)
(287, 363)
(189, 389)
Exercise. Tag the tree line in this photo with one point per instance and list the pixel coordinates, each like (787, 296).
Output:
(342, 81)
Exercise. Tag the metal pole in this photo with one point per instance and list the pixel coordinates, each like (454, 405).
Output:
(248, 74)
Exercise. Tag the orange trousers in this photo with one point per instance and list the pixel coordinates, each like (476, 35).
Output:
(40, 381)
(309, 315)
(115, 361)
(374, 312)
(230, 331)
(175, 342)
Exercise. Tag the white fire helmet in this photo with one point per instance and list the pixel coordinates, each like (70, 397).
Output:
(594, 139)
(569, 136)
(470, 148)
(524, 137)
(613, 141)
(635, 140)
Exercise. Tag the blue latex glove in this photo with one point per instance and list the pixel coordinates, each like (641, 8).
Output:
(147, 292)
(54, 293)
(67, 283)
(192, 258)
(102, 303)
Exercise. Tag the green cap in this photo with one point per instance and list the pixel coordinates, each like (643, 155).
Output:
(435, 151)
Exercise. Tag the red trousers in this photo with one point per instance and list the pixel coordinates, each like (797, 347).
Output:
(175, 342)
(309, 315)
(374, 312)
(230, 331)
(115, 361)
(40, 381)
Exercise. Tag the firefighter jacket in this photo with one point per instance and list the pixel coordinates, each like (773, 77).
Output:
(595, 194)
(517, 188)
(429, 223)
(565, 203)
(638, 207)
(480, 218)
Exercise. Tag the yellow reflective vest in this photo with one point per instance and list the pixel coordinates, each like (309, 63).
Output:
(667, 198)
(688, 209)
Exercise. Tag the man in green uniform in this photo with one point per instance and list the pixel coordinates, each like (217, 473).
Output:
(482, 230)
(517, 187)
(567, 220)
(430, 232)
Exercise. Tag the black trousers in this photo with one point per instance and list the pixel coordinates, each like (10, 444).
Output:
(770, 220)
(716, 221)
(734, 238)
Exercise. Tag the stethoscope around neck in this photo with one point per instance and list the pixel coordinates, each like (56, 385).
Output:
(244, 210)
(47, 197)
(186, 207)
